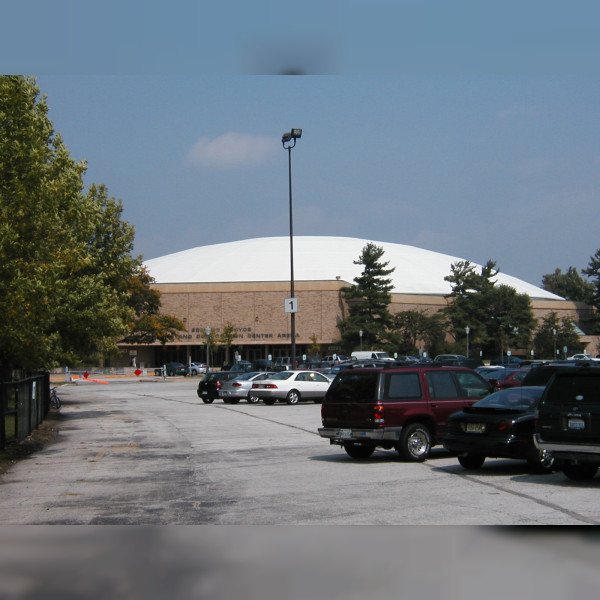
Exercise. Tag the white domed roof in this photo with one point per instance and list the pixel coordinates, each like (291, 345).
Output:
(417, 271)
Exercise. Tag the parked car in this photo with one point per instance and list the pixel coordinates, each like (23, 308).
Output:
(569, 420)
(500, 425)
(370, 355)
(513, 361)
(196, 368)
(240, 387)
(401, 408)
(263, 364)
(444, 357)
(176, 368)
(211, 383)
(507, 378)
(240, 366)
(292, 387)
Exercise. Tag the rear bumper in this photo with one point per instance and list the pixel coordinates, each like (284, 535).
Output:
(340, 435)
(569, 451)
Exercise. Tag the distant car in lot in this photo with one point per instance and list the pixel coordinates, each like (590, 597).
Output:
(240, 387)
(513, 361)
(241, 366)
(176, 368)
(506, 378)
(501, 425)
(196, 368)
(444, 357)
(292, 387)
(211, 383)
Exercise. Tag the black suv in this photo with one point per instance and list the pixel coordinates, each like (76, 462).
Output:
(405, 408)
(210, 384)
(569, 420)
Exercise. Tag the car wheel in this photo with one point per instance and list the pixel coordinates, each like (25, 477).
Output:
(580, 472)
(253, 399)
(543, 462)
(359, 450)
(293, 397)
(415, 442)
(208, 400)
(471, 461)
(269, 401)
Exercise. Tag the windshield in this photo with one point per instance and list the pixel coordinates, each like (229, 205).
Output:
(519, 398)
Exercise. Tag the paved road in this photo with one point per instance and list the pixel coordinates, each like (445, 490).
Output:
(150, 452)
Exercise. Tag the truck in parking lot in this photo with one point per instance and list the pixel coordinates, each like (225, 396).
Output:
(569, 420)
(401, 408)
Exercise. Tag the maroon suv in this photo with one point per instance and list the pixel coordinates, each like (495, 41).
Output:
(405, 408)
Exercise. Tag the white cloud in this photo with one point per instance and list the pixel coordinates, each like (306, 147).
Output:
(232, 150)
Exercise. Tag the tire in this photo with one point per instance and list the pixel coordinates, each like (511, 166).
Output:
(252, 399)
(293, 397)
(208, 400)
(269, 401)
(471, 461)
(234, 401)
(580, 472)
(543, 462)
(415, 443)
(359, 450)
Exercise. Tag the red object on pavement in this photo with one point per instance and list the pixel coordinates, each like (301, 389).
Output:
(137, 372)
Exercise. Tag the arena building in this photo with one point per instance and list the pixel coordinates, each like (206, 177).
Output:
(245, 284)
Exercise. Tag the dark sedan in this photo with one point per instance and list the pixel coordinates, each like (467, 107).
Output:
(500, 425)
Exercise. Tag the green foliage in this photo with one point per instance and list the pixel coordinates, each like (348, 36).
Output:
(546, 343)
(368, 300)
(66, 268)
(570, 285)
(498, 317)
(412, 325)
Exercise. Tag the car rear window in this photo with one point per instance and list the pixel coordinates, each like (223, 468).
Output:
(351, 386)
(402, 386)
(583, 389)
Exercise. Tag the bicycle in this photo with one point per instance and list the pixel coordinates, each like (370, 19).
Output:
(54, 399)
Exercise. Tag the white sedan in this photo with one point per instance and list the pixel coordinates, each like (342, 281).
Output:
(292, 386)
(240, 387)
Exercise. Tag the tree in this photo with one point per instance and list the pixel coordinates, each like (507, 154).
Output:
(498, 316)
(148, 324)
(227, 338)
(368, 300)
(546, 342)
(65, 254)
(570, 285)
(593, 272)
(413, 325)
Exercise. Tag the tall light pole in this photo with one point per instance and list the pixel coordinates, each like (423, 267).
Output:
(360, 333)
(467, 331)
(554, 333)
(207, 331)
(291, 305)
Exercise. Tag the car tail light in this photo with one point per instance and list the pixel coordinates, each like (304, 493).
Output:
(270, 386)
(378, 413)
(504, 425)
(218, 384)
(236, 385)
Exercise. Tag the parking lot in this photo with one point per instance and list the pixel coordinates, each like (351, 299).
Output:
(150, 452)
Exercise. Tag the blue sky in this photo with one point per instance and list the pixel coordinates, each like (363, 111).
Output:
(462, 130)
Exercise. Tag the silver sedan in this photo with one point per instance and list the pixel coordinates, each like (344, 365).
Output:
(240, 388)
(292, 386)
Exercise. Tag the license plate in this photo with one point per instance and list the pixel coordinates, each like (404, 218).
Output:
(344, 433)
(576, 424)
(205, 393)
(475, 428)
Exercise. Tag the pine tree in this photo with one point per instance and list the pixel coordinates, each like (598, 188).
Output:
(368, 301)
